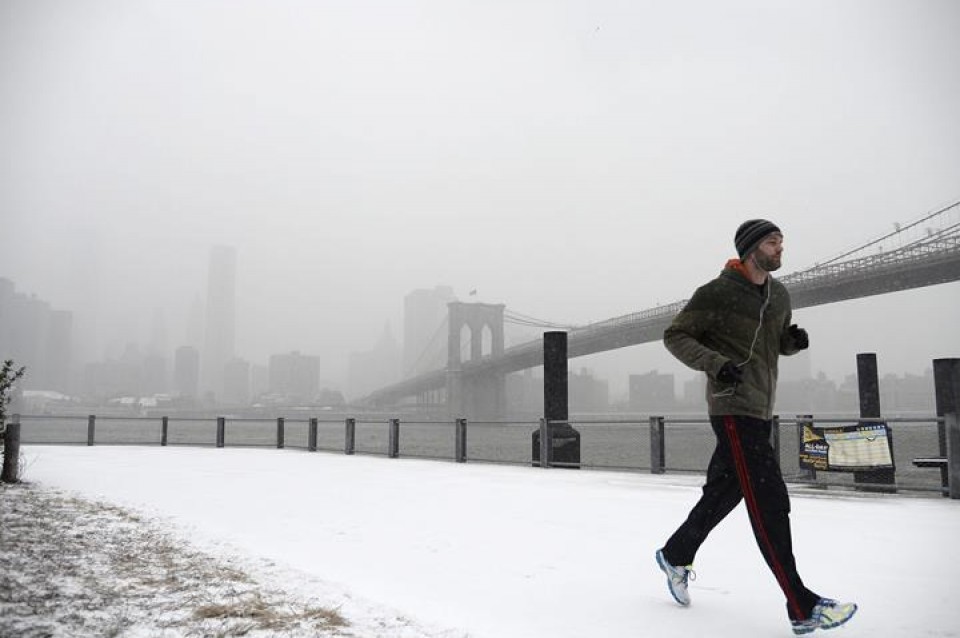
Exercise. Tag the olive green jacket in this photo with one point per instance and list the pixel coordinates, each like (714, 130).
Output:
(732, 319)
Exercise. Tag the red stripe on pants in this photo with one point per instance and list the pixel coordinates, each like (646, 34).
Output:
(740, 462)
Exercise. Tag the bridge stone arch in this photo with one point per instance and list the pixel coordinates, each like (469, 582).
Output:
(464, 339)
(486, 341)
(474, 316)
(484, 395)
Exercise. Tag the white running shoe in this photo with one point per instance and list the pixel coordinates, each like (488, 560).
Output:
(677, 578)
(827, 614)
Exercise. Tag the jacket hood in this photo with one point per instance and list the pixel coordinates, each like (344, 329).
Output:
(737, 266)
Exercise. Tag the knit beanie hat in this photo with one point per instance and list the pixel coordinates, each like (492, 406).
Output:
(751, 233)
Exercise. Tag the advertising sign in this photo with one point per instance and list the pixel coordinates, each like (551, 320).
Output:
(847, 448)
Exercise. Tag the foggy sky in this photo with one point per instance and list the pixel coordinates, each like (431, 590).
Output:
(572, 160)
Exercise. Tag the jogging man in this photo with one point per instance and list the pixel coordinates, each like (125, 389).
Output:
(734, 329)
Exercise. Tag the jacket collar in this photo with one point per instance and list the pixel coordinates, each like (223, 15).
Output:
(737, 266)
(735, 269)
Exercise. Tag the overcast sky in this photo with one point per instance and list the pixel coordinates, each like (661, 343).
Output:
(574, 160)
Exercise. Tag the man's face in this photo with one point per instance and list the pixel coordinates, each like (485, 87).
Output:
(767, 255)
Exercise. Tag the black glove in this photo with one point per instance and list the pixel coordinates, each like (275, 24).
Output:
(799, 336)
(729, 373)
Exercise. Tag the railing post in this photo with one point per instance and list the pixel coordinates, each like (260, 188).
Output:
(952, 422)
(91, 429)
(164, 428)
(312, 435)
(804, 420)
(11, 451)
(658, 448)
(545, 443)
(950, 392)
(221, 431)
(394, 439)
(280, 433)
(461, 441)
(350, 439)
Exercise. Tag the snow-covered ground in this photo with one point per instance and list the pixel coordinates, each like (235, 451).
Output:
(518, 552)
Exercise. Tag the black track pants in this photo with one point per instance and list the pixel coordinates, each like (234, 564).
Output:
(744, 466)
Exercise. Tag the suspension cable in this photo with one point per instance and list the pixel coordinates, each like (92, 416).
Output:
(430, 343)
(888, 235)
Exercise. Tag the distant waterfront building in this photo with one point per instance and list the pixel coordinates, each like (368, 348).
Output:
(154, 379)
(652, 391)
(908, 392)
(695, 391)
(186, 371)
(798, 367)
(58, 350)
(424, 343)
(36, 336)
(236, 382)
(259, 380)
(220, 323)
(587, 393)
(194, 325)
(374, 368)
(295, 375)
(524, 393)
(116, 377)
(7, 291)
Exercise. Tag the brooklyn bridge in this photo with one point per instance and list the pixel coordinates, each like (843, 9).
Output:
(925, 252)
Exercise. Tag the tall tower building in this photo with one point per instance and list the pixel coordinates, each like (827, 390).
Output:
(220, 326)
(36, 336)
(424, 312)
(236, 382)
(194, 327)
(186, 371)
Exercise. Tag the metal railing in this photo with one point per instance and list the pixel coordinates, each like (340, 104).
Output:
(658, 444)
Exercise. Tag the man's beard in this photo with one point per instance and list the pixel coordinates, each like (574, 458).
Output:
(769, 264)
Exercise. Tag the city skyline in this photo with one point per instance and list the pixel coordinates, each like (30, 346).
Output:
(153, 320)
(797, 374)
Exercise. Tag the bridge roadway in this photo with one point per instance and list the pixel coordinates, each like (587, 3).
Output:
(925, 263)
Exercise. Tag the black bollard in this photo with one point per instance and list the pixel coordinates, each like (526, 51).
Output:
(946, 383)
(555, 406)
(563, 446)
(869, 386)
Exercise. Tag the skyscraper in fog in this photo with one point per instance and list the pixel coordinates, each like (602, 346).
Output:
(652, 391)
(236, 382)
(36, 336)
(220, 325)
(186, 371)
(424, 344)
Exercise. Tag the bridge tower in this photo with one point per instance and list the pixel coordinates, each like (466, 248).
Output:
(479, 395)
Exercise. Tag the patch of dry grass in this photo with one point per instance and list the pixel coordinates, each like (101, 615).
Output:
(78, 568)
(269, 616)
